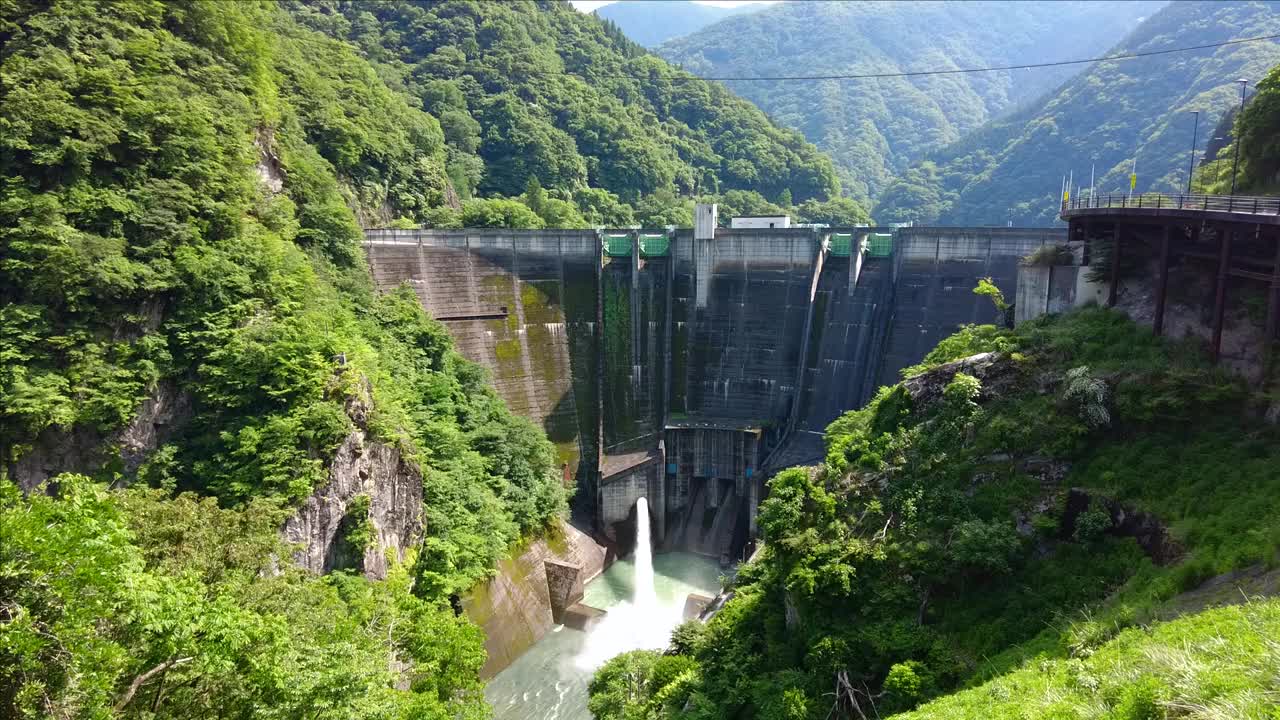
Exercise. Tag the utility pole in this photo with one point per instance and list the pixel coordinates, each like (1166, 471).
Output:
(1191, 171)
(1235, 164)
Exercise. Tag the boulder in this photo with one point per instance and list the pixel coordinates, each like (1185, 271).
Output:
(994, 370)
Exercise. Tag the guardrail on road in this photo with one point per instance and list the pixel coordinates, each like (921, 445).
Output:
(1247, 204)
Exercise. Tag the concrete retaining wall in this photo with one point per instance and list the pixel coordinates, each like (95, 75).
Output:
(515, 608)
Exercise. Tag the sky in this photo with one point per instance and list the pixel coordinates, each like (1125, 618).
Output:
(589, 5)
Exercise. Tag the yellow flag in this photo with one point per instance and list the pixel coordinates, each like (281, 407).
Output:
(1133, 180)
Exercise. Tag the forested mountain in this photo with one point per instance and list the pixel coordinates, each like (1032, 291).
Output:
(1011, 170)
(653, 22)
(185, 310)
(874, 128)
(1020, 511)
(527, 90)
(1257, 131)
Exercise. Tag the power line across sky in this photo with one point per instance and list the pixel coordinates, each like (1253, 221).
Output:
(957, 71)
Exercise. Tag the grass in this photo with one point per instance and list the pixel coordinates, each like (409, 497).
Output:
(1219, 664)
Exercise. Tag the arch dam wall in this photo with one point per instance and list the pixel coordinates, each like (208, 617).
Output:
(688, 369)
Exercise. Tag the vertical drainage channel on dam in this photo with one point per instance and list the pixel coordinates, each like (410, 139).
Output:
(640, 600)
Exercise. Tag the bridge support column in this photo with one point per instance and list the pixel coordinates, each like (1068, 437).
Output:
(1220, 295)
(1086, 250)
(1162, 285)
(1273, 303)
(1115, 266)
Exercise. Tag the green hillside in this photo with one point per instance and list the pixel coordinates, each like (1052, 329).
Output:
(1012, 169)
(653, 22)
(1018, 510)
(527, 90)
(190, 335)
(180, 185)
(874, 128)
(1256, 132)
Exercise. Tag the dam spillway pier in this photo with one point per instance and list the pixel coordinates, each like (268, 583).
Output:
(686, 369)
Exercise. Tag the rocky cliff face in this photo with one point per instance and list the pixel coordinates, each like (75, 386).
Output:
(369, 511)
(86, 450)
(995, 371)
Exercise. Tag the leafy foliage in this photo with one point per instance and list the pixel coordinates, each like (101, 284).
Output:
(1257, 129)
(1219, 663)
(181, 191)
(136, 604)
(538, 90)
(929, 550)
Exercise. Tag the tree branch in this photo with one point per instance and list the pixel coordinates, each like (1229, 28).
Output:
(142, 679)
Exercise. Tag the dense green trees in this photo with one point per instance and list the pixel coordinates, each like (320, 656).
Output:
(874, 128)
(1012, 168)
(1257, 130)
(934, 546)
(181, 192)
(139, 604)
(537, 90)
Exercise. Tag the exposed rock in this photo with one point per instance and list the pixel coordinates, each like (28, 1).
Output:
(80, 449)
(268, 166)
(1188, 314)
(1151, 535)
(1048, 471)
(1024, 520)
(361, 467)
(157, 418)
(995, 370)
(791, 612)
(1233, 588)
(87, 450)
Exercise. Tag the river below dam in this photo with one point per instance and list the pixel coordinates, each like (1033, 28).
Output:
(549, 681)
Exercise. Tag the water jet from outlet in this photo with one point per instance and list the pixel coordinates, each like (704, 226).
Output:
(642, 623)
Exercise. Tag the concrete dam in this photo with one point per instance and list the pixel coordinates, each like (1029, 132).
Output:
(688, 368)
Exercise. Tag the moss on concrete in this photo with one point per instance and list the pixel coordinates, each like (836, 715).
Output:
(507, 350)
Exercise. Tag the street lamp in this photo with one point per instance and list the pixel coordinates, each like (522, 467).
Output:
(1235, 164)
(1191, 171)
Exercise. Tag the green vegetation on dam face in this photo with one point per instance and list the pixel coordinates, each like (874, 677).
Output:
(1004, 518)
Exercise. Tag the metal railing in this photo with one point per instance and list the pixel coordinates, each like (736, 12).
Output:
(1253, 205)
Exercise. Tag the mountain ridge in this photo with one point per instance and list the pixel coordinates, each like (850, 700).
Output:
(1011, 170)
(874, 128)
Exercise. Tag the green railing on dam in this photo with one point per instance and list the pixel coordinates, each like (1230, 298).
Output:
(655, 244)
(841, 244)
(617, 245)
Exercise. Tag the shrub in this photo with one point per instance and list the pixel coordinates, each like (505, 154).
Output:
(1092, 523)
(1090, 396)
